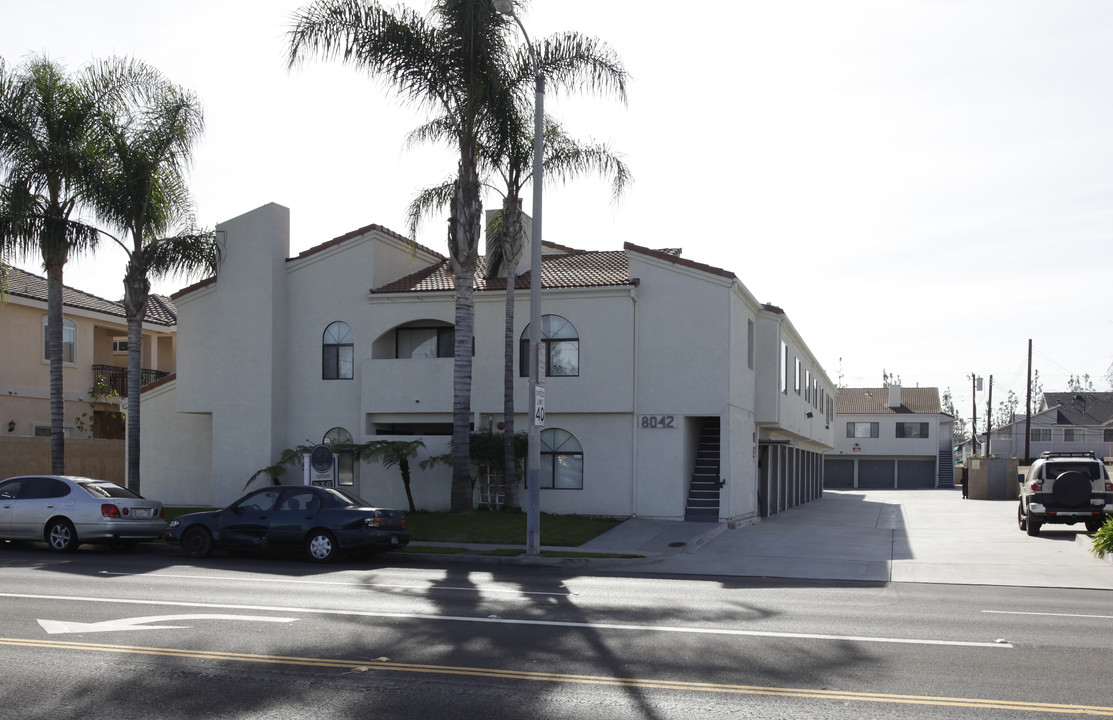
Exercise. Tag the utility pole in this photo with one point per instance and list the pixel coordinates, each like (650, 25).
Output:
(973, 413)
(988, 416)
(1028, 410)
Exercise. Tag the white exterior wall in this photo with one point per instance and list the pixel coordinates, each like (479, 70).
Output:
(888, 443)
(176, 461)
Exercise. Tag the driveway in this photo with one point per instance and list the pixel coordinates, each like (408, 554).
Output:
(926, 536)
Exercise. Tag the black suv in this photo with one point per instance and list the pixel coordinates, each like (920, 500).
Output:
(1064, 487)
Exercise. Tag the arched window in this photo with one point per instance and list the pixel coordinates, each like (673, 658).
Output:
(562, 344)
(562, 460)
(337, 352)
(69, 342)
(345, 465)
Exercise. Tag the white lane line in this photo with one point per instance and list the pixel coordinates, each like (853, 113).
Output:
(539, 623)
(1048, 614)
(481, 589)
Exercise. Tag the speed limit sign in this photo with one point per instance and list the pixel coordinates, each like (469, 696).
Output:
(539, 406)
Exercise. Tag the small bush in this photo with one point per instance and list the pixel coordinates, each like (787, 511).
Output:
(1103, 539)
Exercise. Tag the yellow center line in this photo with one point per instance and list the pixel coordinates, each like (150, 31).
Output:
(494, 673)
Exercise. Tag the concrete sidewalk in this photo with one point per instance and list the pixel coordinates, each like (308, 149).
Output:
(929, 536)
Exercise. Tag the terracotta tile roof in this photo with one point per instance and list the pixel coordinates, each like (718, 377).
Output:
(362, 231)
(160, 310)
(875, 401)
(673, 255)
(572, 269)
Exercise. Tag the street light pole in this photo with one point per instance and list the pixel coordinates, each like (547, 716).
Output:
(537, 409)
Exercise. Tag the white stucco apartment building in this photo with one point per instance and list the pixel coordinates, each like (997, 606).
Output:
(672, 392)
(890, 437)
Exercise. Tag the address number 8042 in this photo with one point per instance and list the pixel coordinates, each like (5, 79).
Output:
(657, 422)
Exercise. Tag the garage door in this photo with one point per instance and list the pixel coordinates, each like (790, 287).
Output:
(876, 474)
(838, 474)
(916, 474)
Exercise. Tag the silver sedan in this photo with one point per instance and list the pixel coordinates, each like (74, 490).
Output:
(65, 511)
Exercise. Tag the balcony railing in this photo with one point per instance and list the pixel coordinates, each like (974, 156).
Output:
(116, 378)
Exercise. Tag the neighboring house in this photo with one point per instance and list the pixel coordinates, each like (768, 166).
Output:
(890, 437)
(671, 392)
(94, 345)
(1065, 422)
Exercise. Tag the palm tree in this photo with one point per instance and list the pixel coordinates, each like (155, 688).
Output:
(49, 157)
(150, 138)
(565, 159)
(396, 453)
(452, 62)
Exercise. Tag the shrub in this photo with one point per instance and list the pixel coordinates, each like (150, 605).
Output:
(1103, 539)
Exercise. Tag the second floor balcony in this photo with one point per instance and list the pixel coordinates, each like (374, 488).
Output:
(116, 378)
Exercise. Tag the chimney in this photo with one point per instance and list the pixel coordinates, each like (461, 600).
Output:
(894, 396)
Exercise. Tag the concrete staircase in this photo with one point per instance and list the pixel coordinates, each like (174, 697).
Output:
(703, 494)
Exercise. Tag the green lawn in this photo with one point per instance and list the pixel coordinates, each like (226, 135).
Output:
(484, 526)
(503, 528)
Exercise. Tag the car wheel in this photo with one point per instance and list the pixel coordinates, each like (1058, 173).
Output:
(197, 542)
(1033, 526)
(60, 535)
(1021, 519)
(1095, 524)
(320, 546)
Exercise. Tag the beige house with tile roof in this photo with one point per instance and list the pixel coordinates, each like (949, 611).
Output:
(891, 437)
(94, 344)
(671, 392)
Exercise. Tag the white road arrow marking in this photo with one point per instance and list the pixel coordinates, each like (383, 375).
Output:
(59, 627)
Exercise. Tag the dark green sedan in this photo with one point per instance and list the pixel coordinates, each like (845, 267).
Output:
(321, 521)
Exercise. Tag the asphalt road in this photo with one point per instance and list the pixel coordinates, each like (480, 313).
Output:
(99, 634)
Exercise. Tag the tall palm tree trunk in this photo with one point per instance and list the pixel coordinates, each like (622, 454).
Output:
(136, 292)
(54, 330)
(510, 475)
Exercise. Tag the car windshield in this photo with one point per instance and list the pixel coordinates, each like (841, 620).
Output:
(109, 490)
(1091, 470)
(345, 498)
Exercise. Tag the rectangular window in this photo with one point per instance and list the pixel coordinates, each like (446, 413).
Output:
(807, 386)
(119, 345)
(424, 342)
(1041, 434)
(799, 369)
(863, 429)
(69, 342)
(784, 368)
(1107, 435)
(338, 362)
(1005, 433)
(1074, 435)
(912, 430)
(750, 344)
(564, 471)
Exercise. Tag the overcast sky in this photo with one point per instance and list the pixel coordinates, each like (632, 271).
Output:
(922, 185)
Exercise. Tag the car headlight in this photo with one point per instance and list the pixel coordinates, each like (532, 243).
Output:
(175, 522)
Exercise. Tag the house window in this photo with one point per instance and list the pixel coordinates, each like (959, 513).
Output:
(119, 345)
(424, 342)
(750, 344)
(1107, 435)
(1074, 435)
(69, 342)
(562, 460)
(796, 387)
(44, 431)
(1041, 434)
(912, 430)
(336, 439)
(784, 368)
(807, 386)
(1005, 433)
(562, 345)
(337, 352)
(863, 430)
